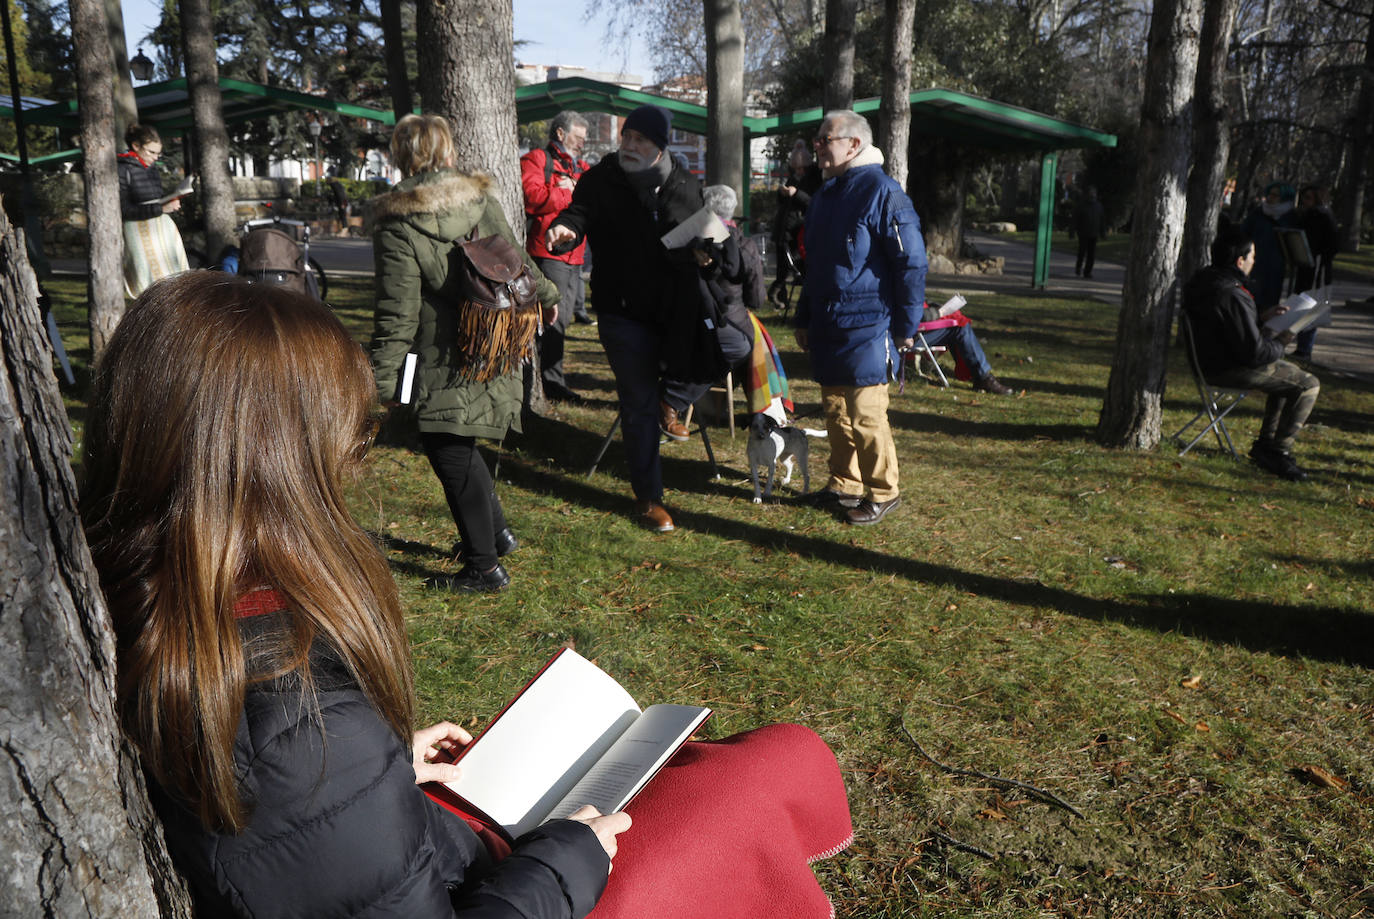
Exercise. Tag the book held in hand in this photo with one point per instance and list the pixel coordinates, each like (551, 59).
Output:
(953, 305)
(187, 186)
(572, 736)
(1302, 312)
(704, 224)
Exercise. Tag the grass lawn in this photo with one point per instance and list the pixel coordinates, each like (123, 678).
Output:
(1179, 648)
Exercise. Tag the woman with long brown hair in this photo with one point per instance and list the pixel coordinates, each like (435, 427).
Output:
(264, 671)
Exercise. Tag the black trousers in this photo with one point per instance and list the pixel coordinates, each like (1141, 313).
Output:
(471, 496)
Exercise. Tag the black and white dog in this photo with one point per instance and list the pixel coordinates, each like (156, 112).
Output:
(772, 444)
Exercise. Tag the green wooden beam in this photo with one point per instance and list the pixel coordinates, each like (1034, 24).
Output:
(1044, 224)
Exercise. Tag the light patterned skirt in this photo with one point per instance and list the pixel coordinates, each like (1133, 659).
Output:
(152, 250)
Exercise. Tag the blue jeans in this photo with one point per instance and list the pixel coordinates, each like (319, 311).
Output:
(635, 352)
(961, 340)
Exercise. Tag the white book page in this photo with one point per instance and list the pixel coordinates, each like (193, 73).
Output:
(704, 224)
(634, 759)
(533, 754)
(952, 305)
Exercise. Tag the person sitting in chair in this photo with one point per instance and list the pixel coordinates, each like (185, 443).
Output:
(1233, 350)
(968, 353)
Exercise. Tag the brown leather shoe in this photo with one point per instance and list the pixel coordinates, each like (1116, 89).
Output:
(992, 385)
(870, 511)
(669, 424)
(654, 516)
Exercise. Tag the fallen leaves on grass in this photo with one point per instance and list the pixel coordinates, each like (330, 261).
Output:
(1319, 776)
(1191, 682)
(1175, 715)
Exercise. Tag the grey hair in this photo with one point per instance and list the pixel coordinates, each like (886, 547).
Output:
(847, 123)
(721, 199)
(567, 120)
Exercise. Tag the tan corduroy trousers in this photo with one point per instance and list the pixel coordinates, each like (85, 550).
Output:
(863, 458)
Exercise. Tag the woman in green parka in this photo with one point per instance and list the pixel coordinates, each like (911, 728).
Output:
(416, 228)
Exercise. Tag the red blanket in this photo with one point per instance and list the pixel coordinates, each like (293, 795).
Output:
(729, 830)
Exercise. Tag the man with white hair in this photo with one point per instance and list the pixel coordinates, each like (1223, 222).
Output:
(862, 299)
(547, 177)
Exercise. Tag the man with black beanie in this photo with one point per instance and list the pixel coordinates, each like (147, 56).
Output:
(644, 293)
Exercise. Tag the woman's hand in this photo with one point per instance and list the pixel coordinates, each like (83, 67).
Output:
(550, 314)
(172, 206)
(437, 742)
(606, 827)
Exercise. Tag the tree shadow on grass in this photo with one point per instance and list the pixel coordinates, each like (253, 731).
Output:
(993, 430)
(1327, 633)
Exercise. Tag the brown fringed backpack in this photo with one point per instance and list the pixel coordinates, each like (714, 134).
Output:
(499, 311)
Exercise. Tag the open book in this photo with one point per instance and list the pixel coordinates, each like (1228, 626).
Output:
(703, 224)
(572, 736)
(953, 305)
(187, 186)
(1303, 311)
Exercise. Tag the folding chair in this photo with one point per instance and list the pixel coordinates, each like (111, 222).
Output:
(930, 351)
(1217, 401)
(726, 391)
(615, 426)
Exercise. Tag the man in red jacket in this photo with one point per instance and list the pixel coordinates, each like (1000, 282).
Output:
(548, 177)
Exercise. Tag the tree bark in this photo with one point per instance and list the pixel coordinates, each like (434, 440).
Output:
(1361, 148)
(78, 835)
(839, 53)
(126, 109)
(394, 49)
(1131, 410)
(1211, 137)
(725, 95)
(211, 139)
(938, 190)
(466, 48)
(895, 111)
(95, 94)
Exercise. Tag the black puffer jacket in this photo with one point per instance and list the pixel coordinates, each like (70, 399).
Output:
(138, 183)
(339, 828)
(1225, 322)
(632, 274)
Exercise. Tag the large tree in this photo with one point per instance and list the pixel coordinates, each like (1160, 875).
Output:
(840, 26)
(725, 94)
(78, 835)
(1211, 137)
(466, 48)
(1131, 410)
(95, 92)
(207, 114)
(894, 122)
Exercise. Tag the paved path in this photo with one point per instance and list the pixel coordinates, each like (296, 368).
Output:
(1345, 348)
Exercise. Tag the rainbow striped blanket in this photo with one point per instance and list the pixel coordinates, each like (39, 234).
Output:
(766, 384)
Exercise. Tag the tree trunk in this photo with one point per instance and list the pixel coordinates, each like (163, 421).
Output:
(895, 114)
(126, 109)
(95, 94)
(78, 835)
(466, 48)
(394, 48)
(1211, 137)
(211, 139)
(1361, 148)
(725, 95)
(839, 53)
(938, 190)
(1131, 411)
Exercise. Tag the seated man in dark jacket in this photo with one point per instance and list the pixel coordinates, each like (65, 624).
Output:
(1233, 350)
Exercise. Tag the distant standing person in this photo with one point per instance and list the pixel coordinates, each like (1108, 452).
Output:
(1088, 224)
(794, 197)
(340, 196)
(861, 300)
(152, 242)
(1273, 213)
(548, 177)
(1324, 241)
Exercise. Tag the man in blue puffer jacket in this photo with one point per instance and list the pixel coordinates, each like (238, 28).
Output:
(863, 294)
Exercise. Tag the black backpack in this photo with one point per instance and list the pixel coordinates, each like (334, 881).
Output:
(271, 256)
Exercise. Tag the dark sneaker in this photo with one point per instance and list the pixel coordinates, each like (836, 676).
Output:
(1279, 462)
(653, 516)
(560, 393)
(583, 318)
(826, 497)
(991, 384)
(471, 580)
(870, 511)
(669, 423)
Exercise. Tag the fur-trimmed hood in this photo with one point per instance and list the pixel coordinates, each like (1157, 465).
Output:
(439, 192)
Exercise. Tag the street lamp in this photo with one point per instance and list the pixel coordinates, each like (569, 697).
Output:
(141, 67)
(314, 127)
